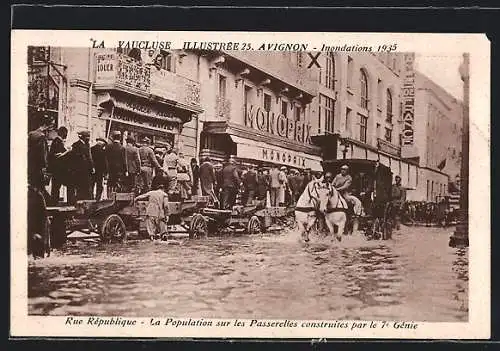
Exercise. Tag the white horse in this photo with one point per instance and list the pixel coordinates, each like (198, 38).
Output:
(321, 197)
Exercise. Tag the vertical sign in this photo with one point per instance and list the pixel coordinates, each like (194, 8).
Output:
(105, 68)
(408, 97)
(408, 147)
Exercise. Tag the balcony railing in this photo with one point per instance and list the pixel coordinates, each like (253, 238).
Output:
(389, 148)
(222, 108)
(116, 71)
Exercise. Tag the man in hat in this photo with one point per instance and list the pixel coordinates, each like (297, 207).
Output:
(294, 185)
(230, 184)
(249, 185)
(207, 179)
(157, 211)
(398, 197)
(148, 164)
(306, 179)
(170, 165)
(133, 162)
(342, 182)
(117, 164)
(282, 185)
(37, 153)
(56, 168)
(98, 152)
(274, 185)
(82, 168)
(184, 176)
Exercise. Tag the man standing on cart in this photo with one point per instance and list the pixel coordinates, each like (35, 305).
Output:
(117, 164)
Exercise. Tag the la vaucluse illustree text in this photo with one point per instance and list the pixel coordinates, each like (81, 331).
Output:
(254, 323)
(246, 46)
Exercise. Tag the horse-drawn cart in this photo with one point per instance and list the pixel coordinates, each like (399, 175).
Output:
(113, 219)
(371, 184)
(249, 219)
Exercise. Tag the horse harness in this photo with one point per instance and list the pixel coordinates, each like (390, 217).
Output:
(310, 208)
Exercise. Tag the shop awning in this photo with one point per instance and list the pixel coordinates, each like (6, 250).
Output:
(252, 150)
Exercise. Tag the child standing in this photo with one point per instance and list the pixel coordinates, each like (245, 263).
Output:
(157, 211)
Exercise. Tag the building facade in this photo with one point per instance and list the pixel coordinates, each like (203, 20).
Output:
(257, 109)
(367, 108)
(261, 108)
(138, 93)
(438, 136)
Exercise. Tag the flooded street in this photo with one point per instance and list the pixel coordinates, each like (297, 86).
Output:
(415, 276)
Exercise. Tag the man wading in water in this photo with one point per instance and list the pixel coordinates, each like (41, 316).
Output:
(157, 211)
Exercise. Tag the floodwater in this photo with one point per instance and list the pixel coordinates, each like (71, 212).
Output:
(415, 276)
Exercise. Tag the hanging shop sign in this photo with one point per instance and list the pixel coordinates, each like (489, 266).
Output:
(249, 150)
(129, 118)
(277, 124)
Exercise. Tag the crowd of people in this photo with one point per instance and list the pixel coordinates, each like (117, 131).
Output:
(139, 166)
(429, 213)
(155, 172)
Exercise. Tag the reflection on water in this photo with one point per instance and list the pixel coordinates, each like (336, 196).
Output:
(415, 276)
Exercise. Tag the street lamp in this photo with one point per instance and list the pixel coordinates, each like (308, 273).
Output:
(461, 235)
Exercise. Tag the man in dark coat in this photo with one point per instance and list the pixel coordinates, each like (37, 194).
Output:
(208, 181)
(82, 168)
(263, 183)
(250, 185)
(37, 154)
(230, 184)
(195, 171)
(133, 160)
(98, 152)
(117, 163)
(207, 177)
(56, 168)
(149, 162)
(307, 177)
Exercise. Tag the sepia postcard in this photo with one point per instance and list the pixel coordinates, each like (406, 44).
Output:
(250, 185)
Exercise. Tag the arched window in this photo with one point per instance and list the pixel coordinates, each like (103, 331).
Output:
(364, 90)
(389, 107)
(330, 72)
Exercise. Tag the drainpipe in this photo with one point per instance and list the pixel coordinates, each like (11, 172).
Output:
(91, 80)
(198, 121)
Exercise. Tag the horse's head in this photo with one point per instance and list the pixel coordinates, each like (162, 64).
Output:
(324, 191)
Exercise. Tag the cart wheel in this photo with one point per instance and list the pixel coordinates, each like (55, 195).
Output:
(113, 228)
(254, 225)
(198, 227)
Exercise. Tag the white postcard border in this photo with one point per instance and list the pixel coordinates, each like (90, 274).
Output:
(478, 326)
